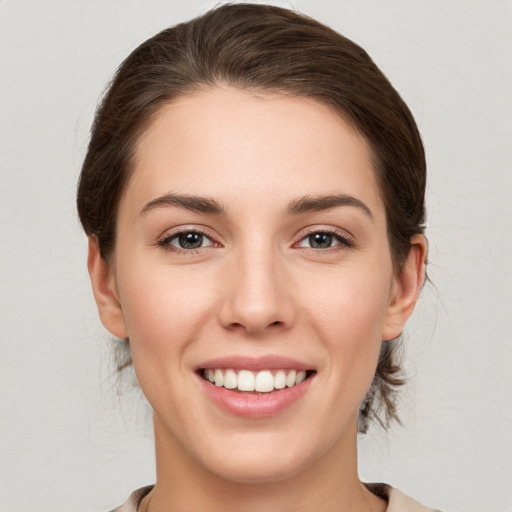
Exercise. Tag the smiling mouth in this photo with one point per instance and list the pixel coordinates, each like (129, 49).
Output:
(251, 382)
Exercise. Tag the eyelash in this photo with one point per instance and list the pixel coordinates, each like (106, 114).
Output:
(165, 243)
(343, 241)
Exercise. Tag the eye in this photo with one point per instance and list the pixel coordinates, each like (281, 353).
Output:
(323, 240)
(187, 241)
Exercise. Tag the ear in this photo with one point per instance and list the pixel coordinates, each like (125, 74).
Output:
(406, 289)
(105, 292)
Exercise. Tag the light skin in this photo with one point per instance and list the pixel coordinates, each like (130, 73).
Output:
(291, 259)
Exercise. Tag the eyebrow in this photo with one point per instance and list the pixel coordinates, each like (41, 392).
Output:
(307, 204)
(193, 203)
(304, 204)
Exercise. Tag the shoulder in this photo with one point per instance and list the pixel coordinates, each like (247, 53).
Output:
(132, 503)
(397, 500)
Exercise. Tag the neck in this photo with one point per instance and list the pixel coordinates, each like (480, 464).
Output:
(330, 483)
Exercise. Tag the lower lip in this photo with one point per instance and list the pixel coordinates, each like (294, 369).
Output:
(255, 406)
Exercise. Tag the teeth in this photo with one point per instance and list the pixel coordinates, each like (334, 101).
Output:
(230, 379)
(219, 378)
(280, 380)
(301, 376)
(290, 378)
(263, 381)
(245, 380)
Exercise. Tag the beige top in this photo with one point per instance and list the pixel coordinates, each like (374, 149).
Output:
(397, 501)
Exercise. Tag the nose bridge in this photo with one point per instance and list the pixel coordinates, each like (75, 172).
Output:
(256, 298)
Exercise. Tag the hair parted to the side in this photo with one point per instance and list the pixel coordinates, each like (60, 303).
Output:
(263, 48)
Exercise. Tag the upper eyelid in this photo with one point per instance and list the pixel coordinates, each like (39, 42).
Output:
(304, 232)
(341, 240)
(164, 241)
(178, 230)
(345, 238)
(309, 230)
(172, 236)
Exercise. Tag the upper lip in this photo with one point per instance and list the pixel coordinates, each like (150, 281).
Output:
(268, 362)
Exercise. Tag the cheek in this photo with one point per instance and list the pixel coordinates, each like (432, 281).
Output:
(348, 317)
(164, 310)
(351, 305)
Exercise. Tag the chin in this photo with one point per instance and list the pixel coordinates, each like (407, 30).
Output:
(249, 471)
(260, 459)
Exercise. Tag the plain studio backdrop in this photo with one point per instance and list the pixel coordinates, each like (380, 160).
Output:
(70, 440)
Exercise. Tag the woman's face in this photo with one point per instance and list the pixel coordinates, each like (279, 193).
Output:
(251, 248)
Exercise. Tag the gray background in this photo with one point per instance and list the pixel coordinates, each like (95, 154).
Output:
(68, 440)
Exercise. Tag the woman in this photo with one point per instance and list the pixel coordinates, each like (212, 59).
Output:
(253, 194)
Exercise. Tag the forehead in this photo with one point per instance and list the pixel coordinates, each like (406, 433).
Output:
(232, 143)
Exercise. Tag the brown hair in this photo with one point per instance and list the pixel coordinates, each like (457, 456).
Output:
(262, 47)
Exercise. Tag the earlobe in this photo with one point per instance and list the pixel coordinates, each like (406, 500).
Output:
(104, 290)
(408, 286)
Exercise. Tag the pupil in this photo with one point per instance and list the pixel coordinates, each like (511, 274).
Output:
(320, 240)
(190, 240)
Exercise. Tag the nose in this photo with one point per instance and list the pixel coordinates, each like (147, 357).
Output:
(256, 296)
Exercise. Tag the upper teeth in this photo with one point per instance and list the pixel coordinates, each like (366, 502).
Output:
(262, 381)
